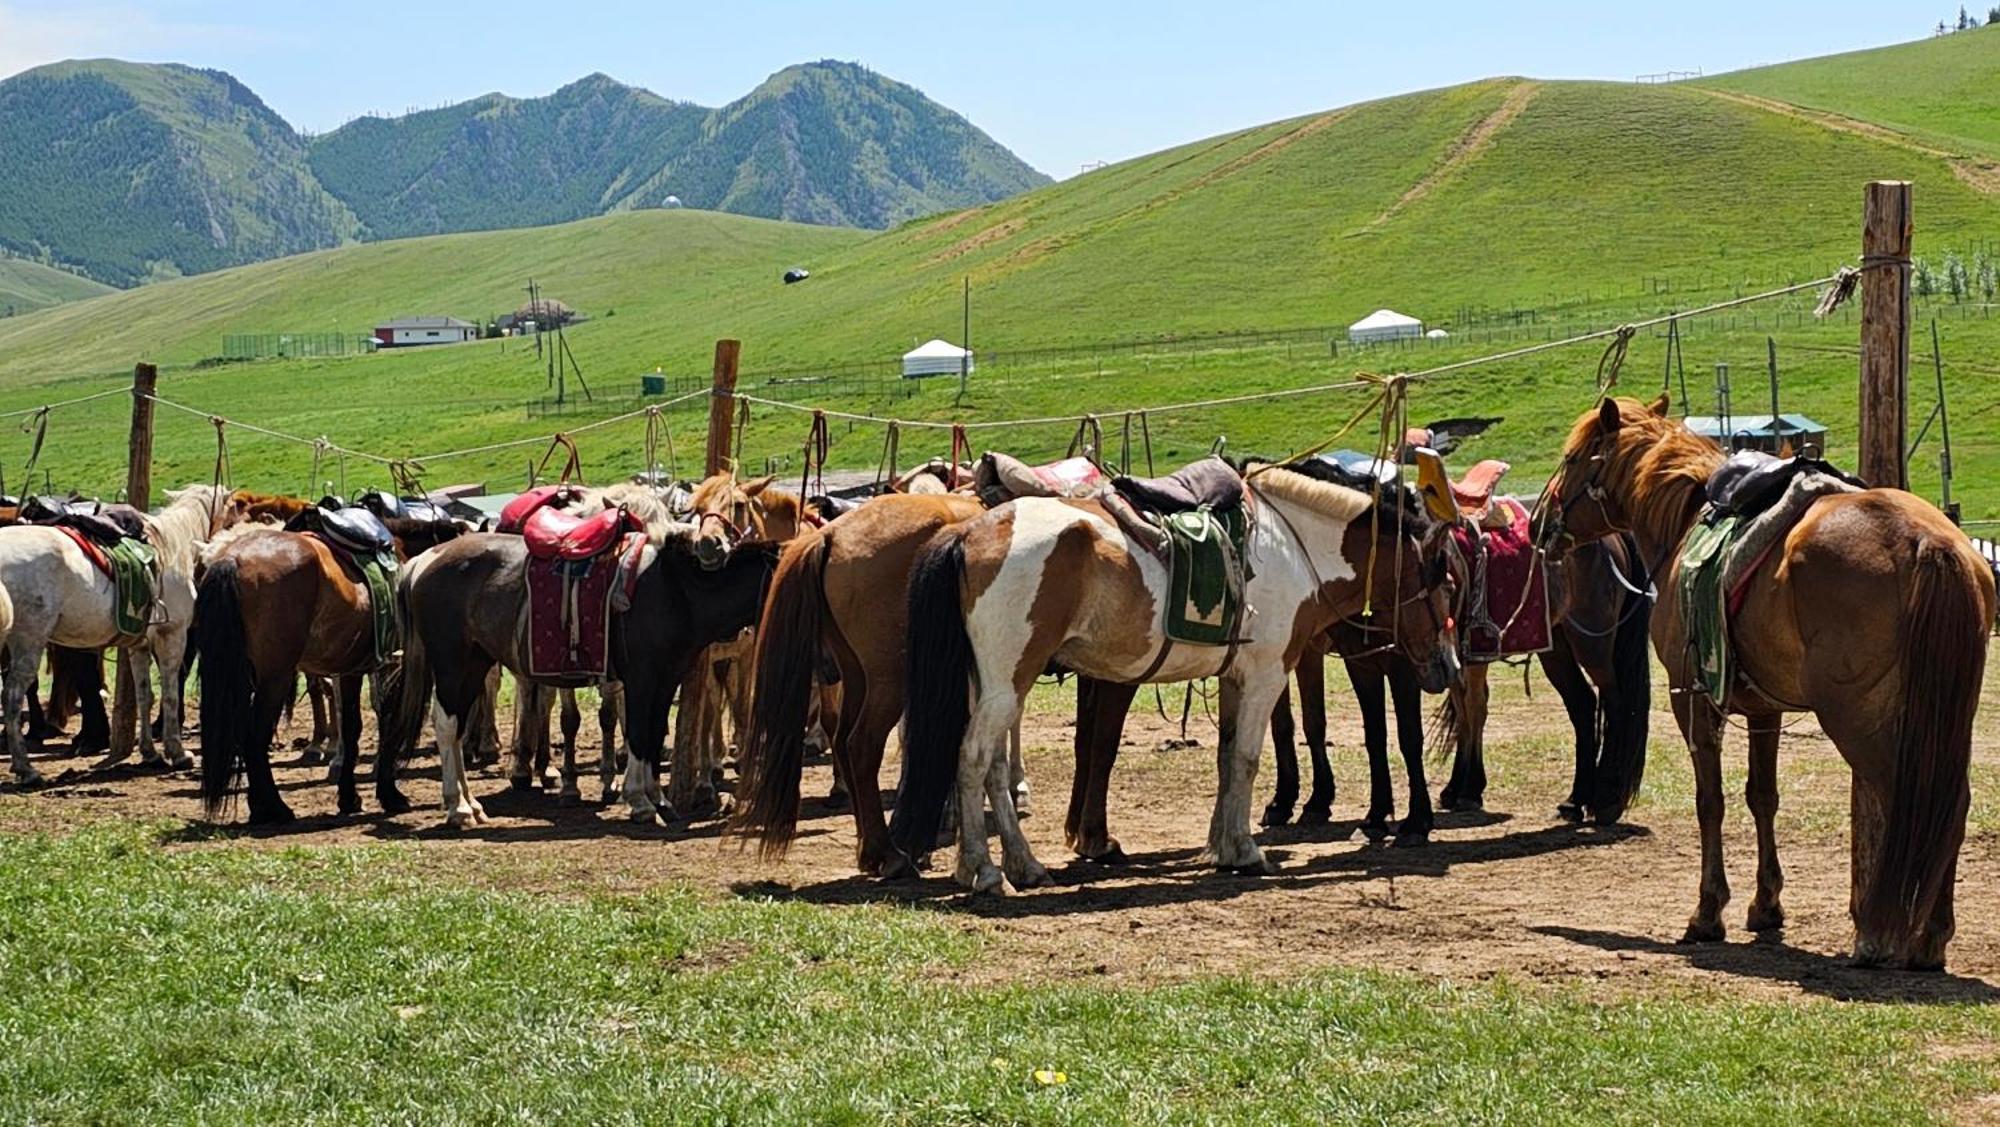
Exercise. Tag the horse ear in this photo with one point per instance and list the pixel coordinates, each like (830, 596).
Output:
(1607, 416)
(752, 488)
(1661, 405)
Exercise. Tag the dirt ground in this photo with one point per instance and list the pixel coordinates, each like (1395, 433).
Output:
(1512, 891)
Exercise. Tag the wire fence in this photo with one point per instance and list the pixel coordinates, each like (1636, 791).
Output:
(286, 346)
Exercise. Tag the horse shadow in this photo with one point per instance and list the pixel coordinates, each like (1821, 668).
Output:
(1169, 878)
(1770, 958)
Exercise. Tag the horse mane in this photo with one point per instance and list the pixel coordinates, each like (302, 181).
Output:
(190, 518)
(642, 501)
(1339, 493)
(1656, 466)
(275, 505)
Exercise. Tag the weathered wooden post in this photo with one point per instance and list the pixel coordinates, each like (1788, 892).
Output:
(1885, 332)
(722, 404)
(125, 720)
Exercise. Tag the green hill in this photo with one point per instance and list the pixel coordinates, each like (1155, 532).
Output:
(1558, 204)
(134, 171)
(1944, 92)
(26, 286)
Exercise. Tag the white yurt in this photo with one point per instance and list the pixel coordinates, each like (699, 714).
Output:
(935, 358)
(1384, 324)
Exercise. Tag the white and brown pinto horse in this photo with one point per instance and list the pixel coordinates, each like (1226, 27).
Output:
(59, 597)
(1039, 582)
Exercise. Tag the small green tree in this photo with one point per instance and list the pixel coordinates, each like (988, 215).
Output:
(1922, 279)
(1993, 16)
(1956, 282)
(1987, 276)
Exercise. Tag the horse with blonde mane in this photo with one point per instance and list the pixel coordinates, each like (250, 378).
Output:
(59, 596)
(1871, 613)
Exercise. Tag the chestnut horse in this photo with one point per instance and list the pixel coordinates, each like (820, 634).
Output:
(1871, 614)
(1041, 581)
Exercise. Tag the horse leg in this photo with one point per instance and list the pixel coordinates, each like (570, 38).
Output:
(572, 722)
(1701, 725)
(267, 806)
(1284, 745)
(94, 734)
(1247, 698)
(171, 657)
(1467, 788)
(324, 739)
(25, 662)
(140, 672)
(1761, 793)
(610, 702)
(347, 748)
(1311, 674)
(1408, 696)
(1368, 680)
(1580, 701)
(1109, 705)
(1017, 770)
(1016, 859)
(531, 730)
(857, 753)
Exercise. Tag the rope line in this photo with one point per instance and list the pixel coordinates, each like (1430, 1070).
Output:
(269, 433)
(46, 407)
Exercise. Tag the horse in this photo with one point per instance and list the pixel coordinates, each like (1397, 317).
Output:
(1597, 661)
(274, 603)
(59, 596)
(836, 615)
(1871, 613)
(1040, 581)
(464, 608)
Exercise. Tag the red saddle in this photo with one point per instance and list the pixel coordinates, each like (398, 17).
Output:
(514, 518)
(1474, 491)
(554, 534)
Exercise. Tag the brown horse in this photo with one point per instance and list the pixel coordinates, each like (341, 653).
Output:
(1871, 614)
(272, 604)
(836, 613)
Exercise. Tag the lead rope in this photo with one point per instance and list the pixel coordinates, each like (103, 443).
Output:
(885, 469)
(818, 441)
(39, 424)
(221, 467)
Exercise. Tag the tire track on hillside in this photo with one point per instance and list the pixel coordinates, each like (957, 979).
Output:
(1981, 175)
(1470, 146)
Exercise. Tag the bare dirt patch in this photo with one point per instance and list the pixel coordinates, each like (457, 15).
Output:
(1469, 147)
(1980, 175)
(1513, 891)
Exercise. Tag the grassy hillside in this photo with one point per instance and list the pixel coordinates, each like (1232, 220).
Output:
(1943, 91)
(1585, 203)
(26, 286)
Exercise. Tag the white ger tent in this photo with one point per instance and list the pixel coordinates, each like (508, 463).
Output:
(1384, 324)
(935, 358)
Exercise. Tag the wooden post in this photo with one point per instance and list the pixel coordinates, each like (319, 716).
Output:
(125, 719)
(1885, 333)
(722, 404)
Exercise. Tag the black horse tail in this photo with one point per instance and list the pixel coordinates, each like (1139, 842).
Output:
(404, 693)
(1625, 707)
(773, 752)
(940, 671)
(1942, 658)
(228, 685)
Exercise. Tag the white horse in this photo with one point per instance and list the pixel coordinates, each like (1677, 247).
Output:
(995, 600)
(60, 597)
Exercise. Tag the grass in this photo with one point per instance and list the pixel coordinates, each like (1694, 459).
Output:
(27, 286)
(146, 984)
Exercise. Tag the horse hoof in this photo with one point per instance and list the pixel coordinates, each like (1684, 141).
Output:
(1699, 932)
(1412, 839)
(569, 798)
(1765, 918)
(1315, 816)
(1258, 868)
(1569, 811)
(1111, 853)
(649, 819)
(392, 802)
(277, 815)
(1606, 815)
(1034, 876)
(348, 806)
(1275, 815)
(108, 762)
(29, 778)
(521, 784)
(987, 879)
(1375, 829)
(896, 867)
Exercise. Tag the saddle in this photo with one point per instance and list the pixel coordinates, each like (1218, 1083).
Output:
(514, 517)
(1360, 465)
(999, 478)
(102, 526)
(1751, 481)
(385, 505)
(357, 530)
(553, 534)
(1211, 484)
(1469, 498)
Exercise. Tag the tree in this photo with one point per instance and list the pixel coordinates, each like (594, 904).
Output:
(1963, 19)
(1922, 280)
(1955, 281)
(1993, 15)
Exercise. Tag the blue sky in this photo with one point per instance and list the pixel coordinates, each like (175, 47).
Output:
(1059, 83)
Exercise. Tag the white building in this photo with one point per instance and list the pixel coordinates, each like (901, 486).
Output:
(936, 358)
(424, 330)
(1384, 324)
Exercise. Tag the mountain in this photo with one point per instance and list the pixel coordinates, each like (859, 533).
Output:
(26, 286)
(134, 171)
(828, 142)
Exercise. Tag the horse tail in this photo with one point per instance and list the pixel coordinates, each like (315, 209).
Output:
(404, 692)
(1942, 659)
(228, 684)
(772, 757)
(936, 706)
(1625, 707)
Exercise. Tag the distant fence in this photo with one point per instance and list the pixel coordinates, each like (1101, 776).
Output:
(269, 346)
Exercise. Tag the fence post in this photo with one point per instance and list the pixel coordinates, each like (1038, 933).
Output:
(125, 719)
(1885, 332)
(722, 404)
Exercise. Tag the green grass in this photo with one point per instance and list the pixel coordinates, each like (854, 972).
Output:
(1940, 91)
(138, 984)
(27, 286)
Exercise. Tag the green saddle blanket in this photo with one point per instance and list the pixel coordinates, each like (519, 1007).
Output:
(378, 571)
(134, 568)
(1703, 601)
(1205, 584)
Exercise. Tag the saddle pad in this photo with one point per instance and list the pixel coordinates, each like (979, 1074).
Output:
(134, 565)
(1507, 595)
(569, 615)
(1205, 580)
(1704, 617)
(377, 570)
